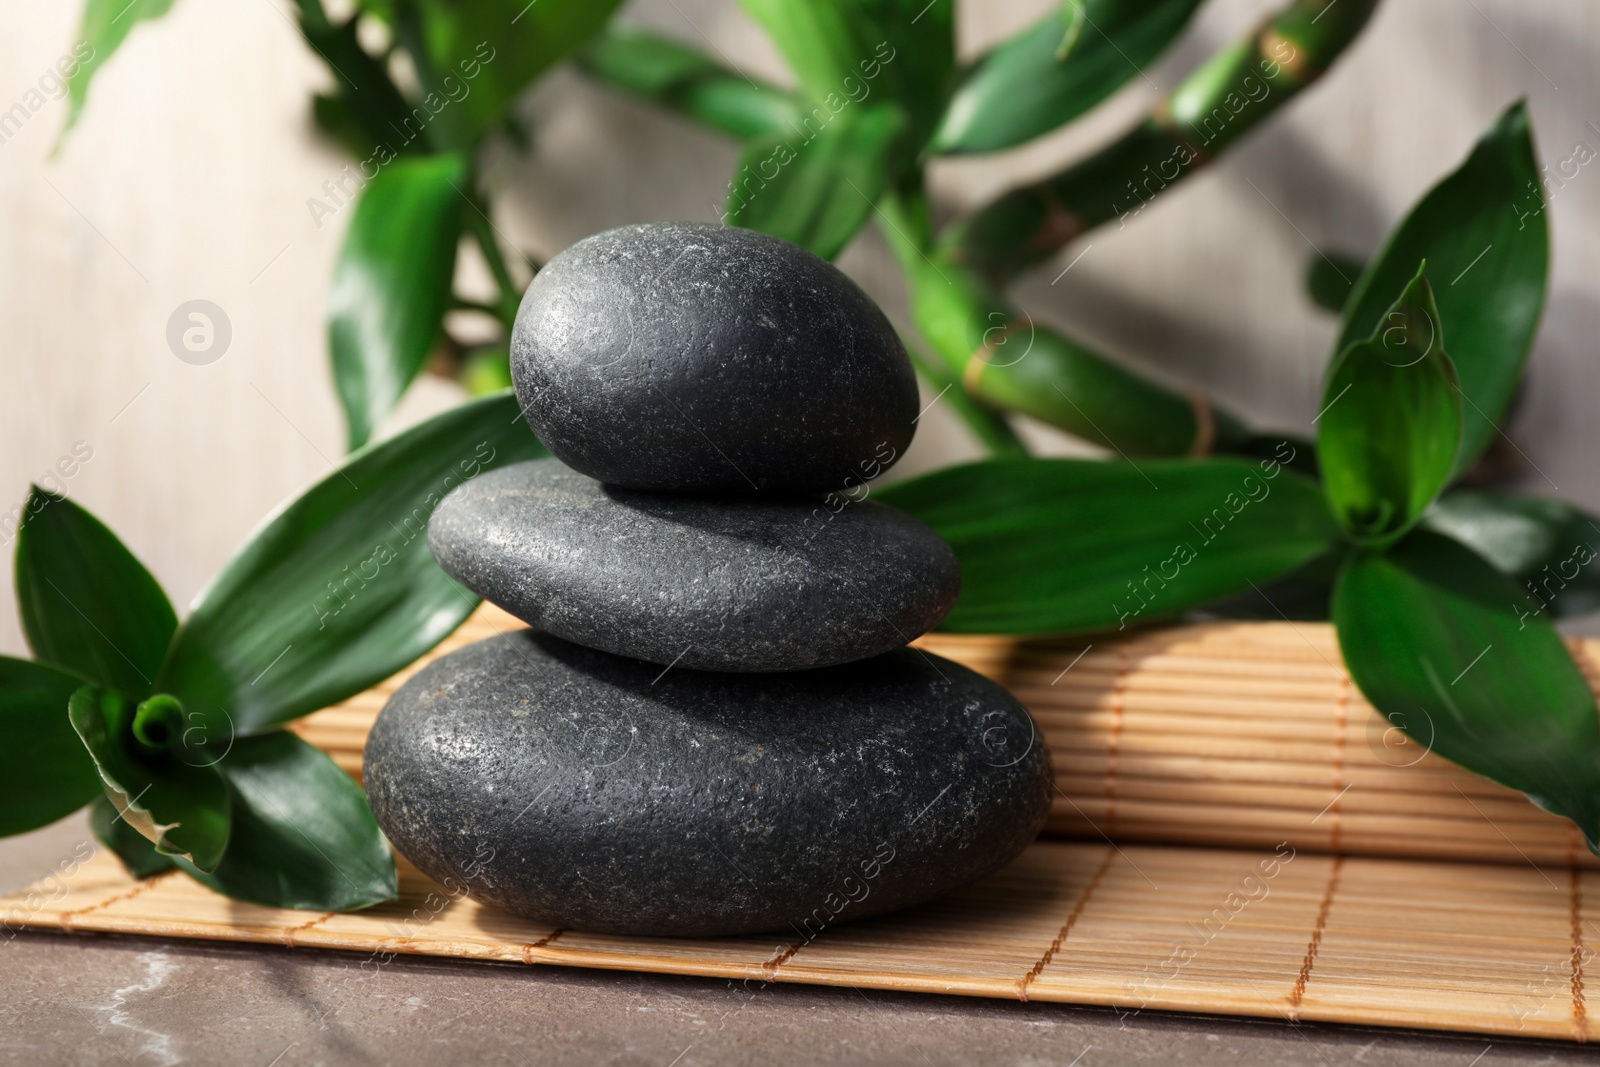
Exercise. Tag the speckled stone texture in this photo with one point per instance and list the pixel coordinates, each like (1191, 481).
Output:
(592, 792)
(693, 357)
(715, 583)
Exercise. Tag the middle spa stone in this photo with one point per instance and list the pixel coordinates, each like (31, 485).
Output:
(710, 583)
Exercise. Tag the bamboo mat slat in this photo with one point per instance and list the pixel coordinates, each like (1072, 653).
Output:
(1493, 949)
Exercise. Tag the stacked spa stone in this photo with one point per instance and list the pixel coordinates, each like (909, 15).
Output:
(713, 726)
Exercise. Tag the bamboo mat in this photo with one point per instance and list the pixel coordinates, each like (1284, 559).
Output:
(1489, 948)
(1247, 734)
(1242, 735)
(1239, 735)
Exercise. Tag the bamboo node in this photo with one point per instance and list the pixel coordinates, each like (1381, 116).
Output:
(1272, 43)
(992, 339)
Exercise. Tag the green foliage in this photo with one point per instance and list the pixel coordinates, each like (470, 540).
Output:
(334, 592)
(303, 835)
(1331, 278)
(48, 774)
(818, 40)
(474, 58)
(844, 51)
(1391, 421)
(1550, 548)
(87, 605)
(1056, 70)
(137, 853)
(365, 109)
(487, 371)
(1231, 94)
(106, 24)
(1483, 232)
(1432, 635)
(914, 41)
(822, 193)
(1058, 545)
(157, 784)
(337, 591)
(392, 285)
(678, 77)
(1047, 548)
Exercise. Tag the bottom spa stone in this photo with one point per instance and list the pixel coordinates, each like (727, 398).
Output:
(599, 793)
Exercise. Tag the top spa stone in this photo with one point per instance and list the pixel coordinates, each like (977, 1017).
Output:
(691, 357)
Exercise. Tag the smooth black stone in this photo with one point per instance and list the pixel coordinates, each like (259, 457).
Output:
(715, 583)
(690, 357)
(580, 789)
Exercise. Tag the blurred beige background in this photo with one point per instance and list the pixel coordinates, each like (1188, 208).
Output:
(189, 175)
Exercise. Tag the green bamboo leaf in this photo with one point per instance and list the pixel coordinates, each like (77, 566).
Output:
(914, 42)
(86, 603)
(1430, 632)
(1484, 234)
(846, 52)
(303, 835)
(135, 850)
(332, 115)
(1390, 425)
(475, 57)
(1056, 70)
(392, 285)
(365, 112)
(1550, 548)
(818, 39)
(105, 25)
(1051, 545)
(48, 773)
(675, 76)
(179, 805)
(817, 193)
(337, 590)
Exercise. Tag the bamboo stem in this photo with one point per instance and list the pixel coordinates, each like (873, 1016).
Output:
(987, 425)
(1004, 359)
